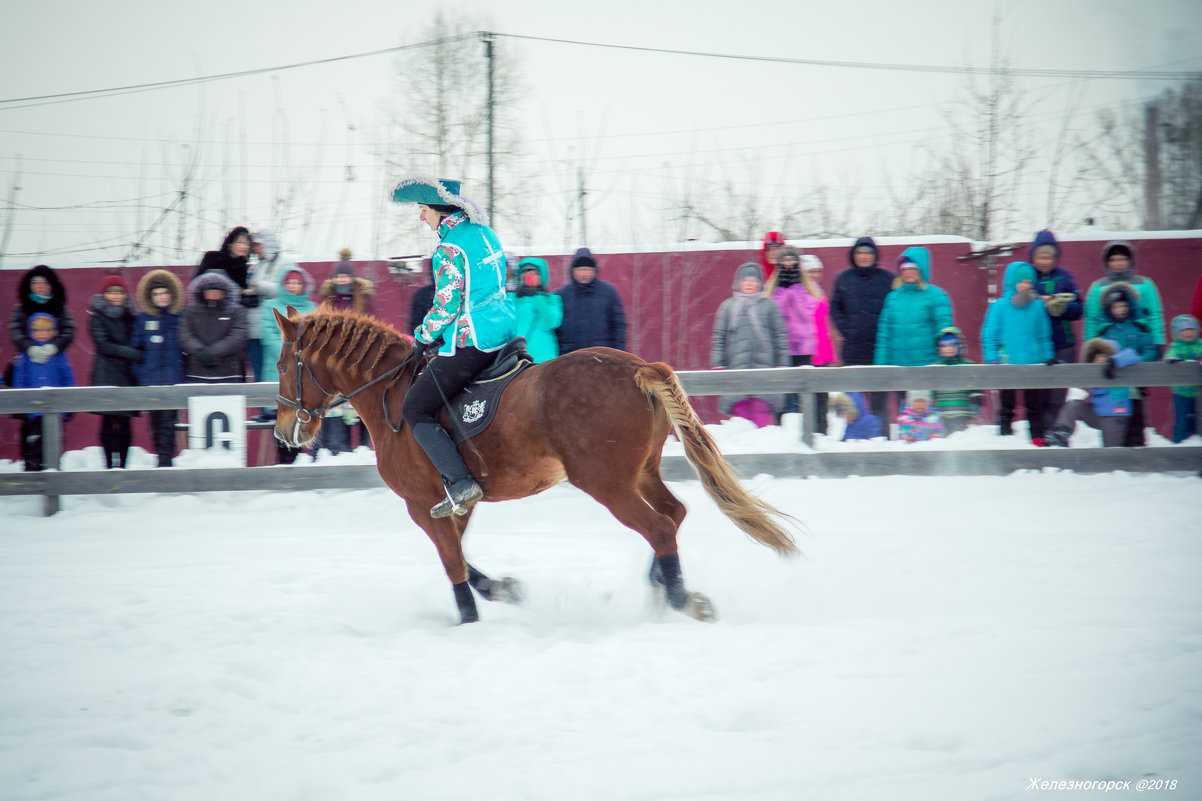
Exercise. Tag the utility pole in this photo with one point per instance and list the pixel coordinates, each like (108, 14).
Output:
(487, 38)
(12, 208)
(582, 193)
(1152, 183)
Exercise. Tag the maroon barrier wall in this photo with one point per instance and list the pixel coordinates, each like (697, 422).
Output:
(671, 298)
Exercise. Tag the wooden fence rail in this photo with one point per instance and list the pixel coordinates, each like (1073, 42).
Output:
(52, 483)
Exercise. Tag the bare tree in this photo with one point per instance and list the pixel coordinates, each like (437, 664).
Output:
(441, 114)
(973, 188)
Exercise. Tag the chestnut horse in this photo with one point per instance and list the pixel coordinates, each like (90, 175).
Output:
(597, 417)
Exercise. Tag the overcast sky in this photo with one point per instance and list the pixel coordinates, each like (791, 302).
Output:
(641, 127)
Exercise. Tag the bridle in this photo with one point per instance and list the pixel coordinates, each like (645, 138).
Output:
(303, 413)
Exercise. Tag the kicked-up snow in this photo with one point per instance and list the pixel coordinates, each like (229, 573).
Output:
(941, 638)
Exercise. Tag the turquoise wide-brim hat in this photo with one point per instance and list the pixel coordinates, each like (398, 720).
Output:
(437, 192)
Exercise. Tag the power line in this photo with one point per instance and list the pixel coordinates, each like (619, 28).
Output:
(1028, 72)
(1025, 72)
(66, 97)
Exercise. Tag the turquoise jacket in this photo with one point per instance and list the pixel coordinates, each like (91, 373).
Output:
(1017, 334)
(1151, 312)
(485, 307)
(273, 341)
(912, 317)
(538, 315)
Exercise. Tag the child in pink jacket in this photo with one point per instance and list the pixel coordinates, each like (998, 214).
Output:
(796, 286)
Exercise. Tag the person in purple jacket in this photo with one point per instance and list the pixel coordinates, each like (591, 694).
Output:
(1061, 298)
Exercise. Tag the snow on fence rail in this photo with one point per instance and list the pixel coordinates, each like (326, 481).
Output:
(52, 483)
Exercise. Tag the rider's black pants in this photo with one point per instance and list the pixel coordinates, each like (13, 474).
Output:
(452, 374)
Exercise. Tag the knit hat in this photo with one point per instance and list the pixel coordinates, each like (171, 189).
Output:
(811, 262)
(293, 274)
(908, 264)
(788, 252)
(950, 336)
(1183, 321)
(918, 394)
(584, 258)
(748, 270)
(43, 322)
(1118, 249)
(344, 267)
(112, 281)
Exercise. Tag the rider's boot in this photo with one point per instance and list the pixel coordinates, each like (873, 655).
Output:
(462, 490)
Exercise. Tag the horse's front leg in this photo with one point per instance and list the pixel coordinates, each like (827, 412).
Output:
(447, 536)
(507, 590)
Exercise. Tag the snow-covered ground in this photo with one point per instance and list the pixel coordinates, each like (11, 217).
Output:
(942, 638)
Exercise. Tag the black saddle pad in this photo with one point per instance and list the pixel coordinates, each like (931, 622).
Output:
(473, 409)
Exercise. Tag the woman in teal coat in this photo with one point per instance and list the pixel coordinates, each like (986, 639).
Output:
(539, 312)
(296, 286)
(913, 315)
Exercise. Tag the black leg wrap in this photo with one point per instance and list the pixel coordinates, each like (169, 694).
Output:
(466, 603)
(480, 583)
(669, 567)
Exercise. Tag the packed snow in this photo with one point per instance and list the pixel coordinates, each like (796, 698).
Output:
(941, 638)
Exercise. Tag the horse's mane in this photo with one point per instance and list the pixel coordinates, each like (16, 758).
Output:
(345, 337)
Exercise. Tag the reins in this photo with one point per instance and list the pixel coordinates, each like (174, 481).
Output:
(339, 398)
(392, 375)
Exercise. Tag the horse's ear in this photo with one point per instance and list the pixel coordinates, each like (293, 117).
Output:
(292, 312)
(287, 325)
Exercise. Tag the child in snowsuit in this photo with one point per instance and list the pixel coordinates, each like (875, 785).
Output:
(918, 422)
(30, 373)
(1186, 347)
(957, 407)
(1107, 409)
(1123, 322)
(853, 407)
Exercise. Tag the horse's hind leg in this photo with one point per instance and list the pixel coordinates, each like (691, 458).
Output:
(659, 529)
(651, 486)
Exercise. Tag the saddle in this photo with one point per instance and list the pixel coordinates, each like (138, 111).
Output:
(473, 409)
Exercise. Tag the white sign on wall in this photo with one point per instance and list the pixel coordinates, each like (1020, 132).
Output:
(217, 424)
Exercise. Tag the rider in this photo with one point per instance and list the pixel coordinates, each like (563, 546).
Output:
(473, 317)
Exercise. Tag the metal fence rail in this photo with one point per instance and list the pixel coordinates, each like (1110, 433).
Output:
(52, 483)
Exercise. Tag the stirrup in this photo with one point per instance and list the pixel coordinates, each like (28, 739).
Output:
(459, 501)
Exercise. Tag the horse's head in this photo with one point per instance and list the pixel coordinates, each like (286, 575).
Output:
(303, 397)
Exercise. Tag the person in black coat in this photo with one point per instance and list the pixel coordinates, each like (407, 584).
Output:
(231, 258)
(40, 290)
(111, 316)
(212, 331)
(592, 309)
(423, 298)
(856, 303)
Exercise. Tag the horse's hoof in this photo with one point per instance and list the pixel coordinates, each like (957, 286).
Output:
(700, 608)
(507, 590)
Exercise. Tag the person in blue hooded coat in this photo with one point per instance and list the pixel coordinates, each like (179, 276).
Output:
(1123, 322)
(1017, 330)
(861, 423)
(156, 333)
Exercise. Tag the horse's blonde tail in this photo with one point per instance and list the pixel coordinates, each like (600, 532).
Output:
(754, 516)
